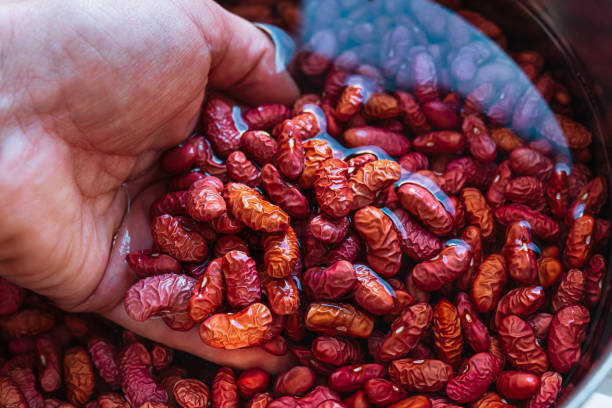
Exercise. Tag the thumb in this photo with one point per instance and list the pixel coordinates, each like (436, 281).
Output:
(243, 59)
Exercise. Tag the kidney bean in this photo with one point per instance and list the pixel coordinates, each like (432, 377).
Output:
(529, 162)
(26, 322)
(336, 350)
(224, 389)
(450, 182)
(260, 400)
(173, 203)
(371, 179)
(395, 144)
(283, 294)
(474, 379)
(383, 245)
(208, 292)
(78, 376)
(220, 127)
(243, 329)
(204, 201)
(446, 267)
(521, 301)
(416, 401)
(526, 190)
(542, 225)
(175, 239)
(206, 159)
(482, 146)
(259, 146)
(571, 290)
(491, 400)
(136, 381)
(540, 323)
(179, 159)
(594, 273)
(305, 357)
(313, 399)
(250, 208)
(332, 283)
(412, 113)
(148, 262)
(329, 230)
(520, 253)
(242, 170)
(496, 192)
(158, 295)
(565, 132)
(338, 318)
(265, 116)
(281, 253)
(287, 196)
(448, 340)
(445, 141)
(357, 162)
(295, 381)
(372, 293)
(517, 385)
(579, 242)
(478, 211)
(11, 297)
(191, 393)
(550, 387)
(549, 271)
(358, 399)
(441, 115)
(420, 375)
(471, 235)
(353, 377)
(104, 356)
(567, 332)
(347, 250)
(227, 243)
(351, 99)
(475, 332)
(381, 106)
(332, 192)
(25, 380)
(405, 332)
(520, 345)
(423, 204)
(10, 395)
(383, 392)
(477, 174)
(252, 381)
(316, 151)
(589, 200)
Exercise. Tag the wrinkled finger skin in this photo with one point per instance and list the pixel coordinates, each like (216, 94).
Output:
(405, 332)
(338, 319)
(239, 330)
(520, 346)
(157, 295)
(383, 246)
(567, 332)
(446, 267)
(420, 375)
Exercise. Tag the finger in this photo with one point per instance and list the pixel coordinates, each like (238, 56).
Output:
(244, 59)
(189, 341)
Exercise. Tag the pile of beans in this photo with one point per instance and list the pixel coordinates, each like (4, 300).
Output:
(415, 234)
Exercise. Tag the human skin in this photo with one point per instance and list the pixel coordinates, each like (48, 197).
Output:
(91, 93)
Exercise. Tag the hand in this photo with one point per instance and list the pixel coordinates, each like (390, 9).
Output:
(91, 92)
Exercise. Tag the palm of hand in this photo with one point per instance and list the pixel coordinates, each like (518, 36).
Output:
(84, 143)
